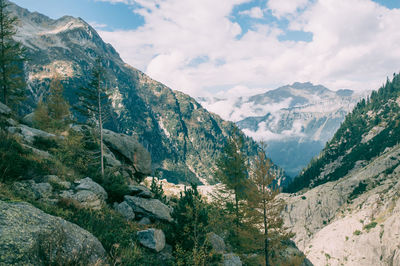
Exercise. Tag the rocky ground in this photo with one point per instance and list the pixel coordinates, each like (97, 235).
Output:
(352, 221)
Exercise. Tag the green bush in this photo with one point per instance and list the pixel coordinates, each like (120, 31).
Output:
(116, 187)
(370, 226)
(45, 143)
(16, 162)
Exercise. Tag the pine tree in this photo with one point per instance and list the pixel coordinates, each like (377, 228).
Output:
(52, 114)
(93, 104)
(263, 194)
(189, 229)
(58, 107)
(12, 82)
(232, 172)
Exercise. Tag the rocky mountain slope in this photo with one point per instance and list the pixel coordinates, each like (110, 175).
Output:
(184, 139)
(366, 132)
(348, 209)
(294, 120)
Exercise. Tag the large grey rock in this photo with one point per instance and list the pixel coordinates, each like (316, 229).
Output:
(88, 193)
(28, 236)
(56, 181)
(149, 207)
(130, 149)
(4, 109)
(152, 238)
(86, 198)
(140, 191)
(125, 210)
(28, 133)
(231, 259)
(88, 184)
(33, 190)
(216, 242)
(28, 119)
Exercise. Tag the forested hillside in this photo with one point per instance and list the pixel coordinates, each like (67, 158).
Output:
(367, 131)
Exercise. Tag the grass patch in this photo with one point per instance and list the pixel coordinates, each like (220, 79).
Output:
(370, 226)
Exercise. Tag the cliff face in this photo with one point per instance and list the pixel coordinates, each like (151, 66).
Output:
(347, 203)
(183, 138)
(352, 221)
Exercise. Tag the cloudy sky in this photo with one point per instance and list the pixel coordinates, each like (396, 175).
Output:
(244, 46)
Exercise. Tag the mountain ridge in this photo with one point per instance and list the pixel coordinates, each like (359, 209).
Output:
(294, 120)
(183, 138)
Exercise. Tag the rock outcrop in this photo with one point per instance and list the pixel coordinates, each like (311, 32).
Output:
(29, 134)
(88, 193)
(352, 221)
(231, 259)
(152, 238)
(28, 236)
(152, 208)
(125, 210)
(130, 149)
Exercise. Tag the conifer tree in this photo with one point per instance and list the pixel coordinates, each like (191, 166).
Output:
(12, 82)
(264, 190)
(94, 105)
(189, 228)
(53, 113)
(232, 172)
(58, 107)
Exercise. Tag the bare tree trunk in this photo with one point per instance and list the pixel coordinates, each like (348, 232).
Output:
(265, 232)
(237, 216)
(3, 67)
(101, 130)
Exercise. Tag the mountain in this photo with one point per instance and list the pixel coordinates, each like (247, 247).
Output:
(294, 120)
(184, 139)
(346, 205)
(370, 129)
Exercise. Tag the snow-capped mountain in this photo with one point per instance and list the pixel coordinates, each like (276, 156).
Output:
(294, 120)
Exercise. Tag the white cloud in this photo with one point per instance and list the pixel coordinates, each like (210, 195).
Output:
(255, 12)
(117, 1)
(355, 45)
(284, 7)
(97, 25)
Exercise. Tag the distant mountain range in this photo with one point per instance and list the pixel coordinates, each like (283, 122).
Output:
(294, 120)
(184, 139)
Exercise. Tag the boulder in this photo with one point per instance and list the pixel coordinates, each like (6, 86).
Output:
(56, 181)
(86, 198)
(217, 243)
(88, 184)
(140, 191)
(4, 109)
(125, 210)
(231, 259)
(130, 149)
(28, 236)
(144, 221)
(28, 133)
(152, 238)
(152, 208)
(88, 193)
(33, 190)
(28, 119)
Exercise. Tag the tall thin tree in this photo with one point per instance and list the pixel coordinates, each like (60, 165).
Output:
(12, 57)
(232, 171)
(264, 190)
(93, 103)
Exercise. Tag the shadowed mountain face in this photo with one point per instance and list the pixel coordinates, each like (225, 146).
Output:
(183, 138)
(294, 120)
